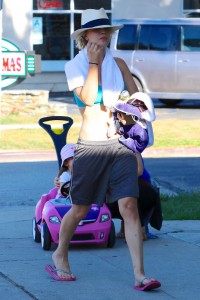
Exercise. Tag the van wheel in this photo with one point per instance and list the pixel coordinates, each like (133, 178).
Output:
(138, 84)
(170, 102)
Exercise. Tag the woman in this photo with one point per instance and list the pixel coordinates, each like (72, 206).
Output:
(102, 167)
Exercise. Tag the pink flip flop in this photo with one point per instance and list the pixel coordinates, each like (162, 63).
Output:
(151, 285)
(53, 273)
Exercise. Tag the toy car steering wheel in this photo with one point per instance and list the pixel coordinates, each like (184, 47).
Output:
(65, 189)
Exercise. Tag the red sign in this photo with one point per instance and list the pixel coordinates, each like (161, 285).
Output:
(50, 4)
(15, 63)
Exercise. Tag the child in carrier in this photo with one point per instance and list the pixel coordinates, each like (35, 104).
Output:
(64, 174)
(133, 116)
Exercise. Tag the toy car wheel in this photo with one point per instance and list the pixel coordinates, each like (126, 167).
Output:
(36, 232)
(111, 238)
(45, 237)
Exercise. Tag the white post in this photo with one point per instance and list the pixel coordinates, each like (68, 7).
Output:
(1, 30)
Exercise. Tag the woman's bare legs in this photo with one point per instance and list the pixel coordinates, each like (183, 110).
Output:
(128, 210)
(68, 226)
(121, 233)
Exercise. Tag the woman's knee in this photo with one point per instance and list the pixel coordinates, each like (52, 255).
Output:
(79, 212)
(128, 207)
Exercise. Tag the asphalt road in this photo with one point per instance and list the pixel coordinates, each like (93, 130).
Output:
(186, 110)
(23, 183)
(185, 104)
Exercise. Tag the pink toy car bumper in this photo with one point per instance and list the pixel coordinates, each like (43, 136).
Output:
(96, 228)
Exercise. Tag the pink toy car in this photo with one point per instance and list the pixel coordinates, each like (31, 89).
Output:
(96, 228)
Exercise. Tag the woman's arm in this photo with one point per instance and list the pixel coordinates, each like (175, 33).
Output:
(88, 92)
(128, 79)
(140, 164)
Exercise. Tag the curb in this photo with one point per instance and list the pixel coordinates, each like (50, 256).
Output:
(50, 155)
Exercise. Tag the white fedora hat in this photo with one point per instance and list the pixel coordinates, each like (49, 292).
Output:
(94, 18)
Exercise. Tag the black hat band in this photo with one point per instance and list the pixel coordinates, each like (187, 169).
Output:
(95, 23)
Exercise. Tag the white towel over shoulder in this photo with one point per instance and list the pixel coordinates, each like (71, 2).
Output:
(76, 72)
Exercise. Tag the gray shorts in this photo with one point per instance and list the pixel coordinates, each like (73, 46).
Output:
(104, 171)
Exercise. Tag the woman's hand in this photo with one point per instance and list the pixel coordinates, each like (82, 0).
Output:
(95, 52)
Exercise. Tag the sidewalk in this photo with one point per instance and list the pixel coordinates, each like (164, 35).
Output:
(102, 274)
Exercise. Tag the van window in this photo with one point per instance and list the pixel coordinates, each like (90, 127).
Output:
(127, 37)
(190, 38)
(160, 38)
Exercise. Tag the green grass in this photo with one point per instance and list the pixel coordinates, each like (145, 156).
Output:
(176, 133)
(29, 139)
(184, 206)
(168, 133)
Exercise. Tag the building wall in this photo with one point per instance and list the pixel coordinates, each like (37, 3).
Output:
(17, 22)
(130, 9)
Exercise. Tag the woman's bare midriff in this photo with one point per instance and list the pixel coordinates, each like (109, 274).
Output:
(96, 121)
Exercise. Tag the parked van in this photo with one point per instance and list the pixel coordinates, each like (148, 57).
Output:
(162, 55)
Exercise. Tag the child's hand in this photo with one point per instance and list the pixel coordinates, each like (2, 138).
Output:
(57, 182)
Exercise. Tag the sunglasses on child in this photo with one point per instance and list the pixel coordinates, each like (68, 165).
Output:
(135, 118)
